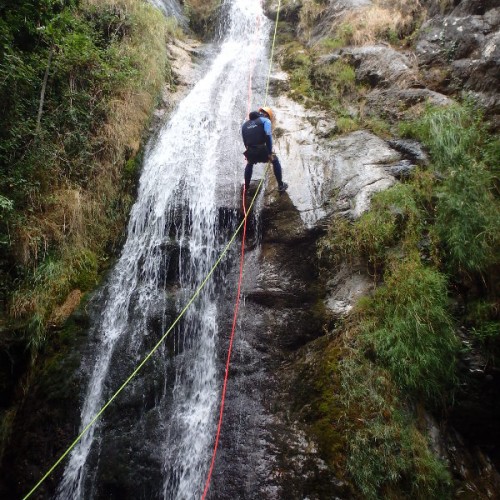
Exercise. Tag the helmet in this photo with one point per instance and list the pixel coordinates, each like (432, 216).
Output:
(268, 111)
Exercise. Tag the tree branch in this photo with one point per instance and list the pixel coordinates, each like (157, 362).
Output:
(42, 93)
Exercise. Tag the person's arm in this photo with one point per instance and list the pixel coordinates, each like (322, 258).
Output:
(243, 136)
(269, 136)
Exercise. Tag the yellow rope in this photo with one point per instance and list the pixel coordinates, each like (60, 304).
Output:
(153, 350)
(195, 295)
(272, 51)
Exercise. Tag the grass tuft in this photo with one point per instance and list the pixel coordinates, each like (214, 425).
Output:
(408, 326)
(387, 456)
(467, 203)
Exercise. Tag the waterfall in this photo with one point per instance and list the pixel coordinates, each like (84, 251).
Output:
(171, 8)
(161, 427)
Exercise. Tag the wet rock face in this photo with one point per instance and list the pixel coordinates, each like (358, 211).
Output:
(46, 420)
(353, 167)
(282, 310)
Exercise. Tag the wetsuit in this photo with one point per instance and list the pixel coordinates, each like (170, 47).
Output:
(258, 140)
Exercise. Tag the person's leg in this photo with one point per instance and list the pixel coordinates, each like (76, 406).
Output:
(248, 175)
(278, 173)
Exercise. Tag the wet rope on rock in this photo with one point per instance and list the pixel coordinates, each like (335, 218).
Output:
(179, 317)
(242, 262)
(145, 360)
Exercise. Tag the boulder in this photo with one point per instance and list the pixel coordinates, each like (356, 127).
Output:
(443, 40)
(474, 7)
(397, 104)
(381, 66)
(462, 52)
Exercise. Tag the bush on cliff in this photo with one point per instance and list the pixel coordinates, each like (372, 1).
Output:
(78, 81)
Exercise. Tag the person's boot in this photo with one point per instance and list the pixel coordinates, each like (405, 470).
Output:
(282, 187)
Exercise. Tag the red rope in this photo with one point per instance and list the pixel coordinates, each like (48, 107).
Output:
(238, 297)
(226, 375)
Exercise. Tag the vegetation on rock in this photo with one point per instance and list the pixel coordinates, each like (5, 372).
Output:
(78, 83)
(203, 15)
(429, 242)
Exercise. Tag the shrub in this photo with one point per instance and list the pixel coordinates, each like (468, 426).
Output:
(65, 193)
(387, 456)
(391, 456)
(453, 134)
(408, 326)
(467, 204)
(467, 220)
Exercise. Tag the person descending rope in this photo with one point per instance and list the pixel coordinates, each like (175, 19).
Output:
(258, 140)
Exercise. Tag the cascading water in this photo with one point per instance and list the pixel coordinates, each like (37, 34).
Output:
(171, 8)
(155, 440)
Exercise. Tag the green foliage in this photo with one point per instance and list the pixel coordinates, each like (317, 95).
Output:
(384, 455)
(483, 321)
(82, 73)
(202, 15)
(394, 217)
(408, 326)
(324, 84)
(378, 126)
(467, 220)
(333, 80)
(453, 134)
(467, 204)
(50, 284)
(63, 194)
(387, 456)
(346, 124)
(330, 44)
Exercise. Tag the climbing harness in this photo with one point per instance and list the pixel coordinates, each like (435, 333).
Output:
(243, 224)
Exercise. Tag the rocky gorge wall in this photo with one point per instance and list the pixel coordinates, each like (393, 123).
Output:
(299, 309)
(452, 55)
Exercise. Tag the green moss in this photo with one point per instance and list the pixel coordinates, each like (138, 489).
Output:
(316, 391)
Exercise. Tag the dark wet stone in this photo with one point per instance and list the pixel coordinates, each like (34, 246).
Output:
(401, 170)
(47, 419)
(412, 150)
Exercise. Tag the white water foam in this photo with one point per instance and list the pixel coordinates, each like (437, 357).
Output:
(199, 143)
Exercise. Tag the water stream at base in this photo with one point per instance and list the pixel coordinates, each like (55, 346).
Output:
(161, 428)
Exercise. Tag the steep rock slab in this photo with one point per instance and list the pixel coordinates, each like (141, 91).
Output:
(353, 166)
